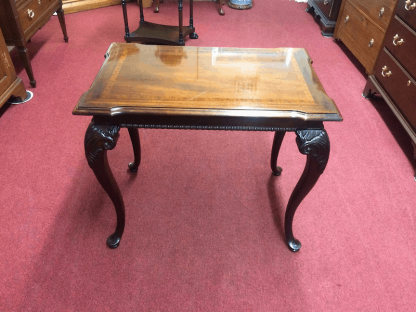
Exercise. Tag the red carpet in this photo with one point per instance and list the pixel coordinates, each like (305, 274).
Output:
(205, 216)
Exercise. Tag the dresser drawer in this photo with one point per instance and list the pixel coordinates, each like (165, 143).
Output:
(401, 42)
(325, 6)
(406, 10)
(380, 11)
(30, 12)
(398, 84)
(362, 37)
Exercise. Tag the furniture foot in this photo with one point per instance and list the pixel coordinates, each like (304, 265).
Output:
(99, 139)
(114, 240)
(314, 144)
(221, 11)
(156, 10)
(277, 142)
(25, 58)
(61, 18)
(327, 31)
(135, 140)
(369, 90)
(309, 9)
(193, 35)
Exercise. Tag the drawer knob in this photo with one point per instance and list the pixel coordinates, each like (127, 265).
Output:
(409, 83)
(346, 19)
(409, 7)
(385, 72)
(381, 12)
(370, 44)
(395, 42)
(326, 2)
(30, 13)
(40, 2)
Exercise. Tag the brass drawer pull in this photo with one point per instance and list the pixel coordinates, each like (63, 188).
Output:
(388, 74)
(326, 2)
(395, 42)
(40, 2)
(370, 44)
(409, 83)
(30, 13)
(346, 19)
(407, 7)
(381, 12)
(5, 60)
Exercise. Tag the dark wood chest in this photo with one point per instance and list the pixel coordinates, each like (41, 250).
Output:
(394, 75)
(327, 12)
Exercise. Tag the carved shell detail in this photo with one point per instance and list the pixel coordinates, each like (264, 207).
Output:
(316, 144)
(98, 139)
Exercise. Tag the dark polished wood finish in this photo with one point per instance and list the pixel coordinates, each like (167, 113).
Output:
(10, 84)
(327, 12)
(167, 87)
(220, 2)
(135, 140)
(277, 143)
(151, 33)
(394, 76)
(21, 19)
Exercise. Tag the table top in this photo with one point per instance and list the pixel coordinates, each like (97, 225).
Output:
(174, 81)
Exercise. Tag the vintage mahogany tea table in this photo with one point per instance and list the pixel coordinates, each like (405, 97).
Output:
(167, 87)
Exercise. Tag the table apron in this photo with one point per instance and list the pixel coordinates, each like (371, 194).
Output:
(208, 123)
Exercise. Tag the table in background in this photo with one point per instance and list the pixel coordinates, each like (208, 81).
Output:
(166, 87)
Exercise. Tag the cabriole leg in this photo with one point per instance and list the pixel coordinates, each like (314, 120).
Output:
(277, 142)
(314, 144)
(99, 139)
(135, 140)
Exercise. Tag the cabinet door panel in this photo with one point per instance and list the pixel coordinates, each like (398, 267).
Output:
(4, 78)
(7, 72)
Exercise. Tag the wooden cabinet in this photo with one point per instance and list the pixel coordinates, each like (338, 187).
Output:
(327, 12)
(10, 84)
(394, 75)
(362, 25)
(21, 19)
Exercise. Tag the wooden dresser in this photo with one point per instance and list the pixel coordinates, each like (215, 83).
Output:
(394, 75)
(21, 19)
(10, 84)
(327, 12)
(362, 25)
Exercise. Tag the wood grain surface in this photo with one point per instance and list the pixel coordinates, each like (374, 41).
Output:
(207, 81)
